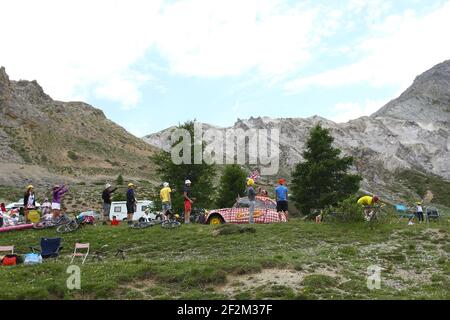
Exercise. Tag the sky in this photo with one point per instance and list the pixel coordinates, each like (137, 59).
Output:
(153, 64)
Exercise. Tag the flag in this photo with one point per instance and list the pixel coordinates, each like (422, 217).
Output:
(255, 175)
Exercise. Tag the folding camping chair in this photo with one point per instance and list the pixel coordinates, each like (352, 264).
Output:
(401, 211)
(9, 249)
(50, 247)
(432, 213)
(80, 254)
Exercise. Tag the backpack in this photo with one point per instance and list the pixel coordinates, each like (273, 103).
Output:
(10, 260)
(88, 220)
(32, 258)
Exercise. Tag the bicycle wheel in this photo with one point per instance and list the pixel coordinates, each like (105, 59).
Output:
(136, 225)
(68, 227)
(170, 224)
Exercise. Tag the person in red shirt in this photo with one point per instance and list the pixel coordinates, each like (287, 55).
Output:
(114, 221)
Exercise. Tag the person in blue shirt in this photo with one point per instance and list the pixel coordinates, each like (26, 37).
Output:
(281, 196)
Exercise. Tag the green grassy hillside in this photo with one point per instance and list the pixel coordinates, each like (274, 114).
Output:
(420, 183)
(296, 260)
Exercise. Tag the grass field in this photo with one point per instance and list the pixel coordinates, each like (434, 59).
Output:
(296, 260)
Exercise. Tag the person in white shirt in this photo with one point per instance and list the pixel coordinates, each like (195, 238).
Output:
(46, 210)
(419, 211)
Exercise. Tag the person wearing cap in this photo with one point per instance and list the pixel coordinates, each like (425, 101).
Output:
(131, 203)
(29, 201)
(57, 193)
(165, 196)
(251, 194)
(106, 196)
(188, 201)
(419, 211)
(281, 196)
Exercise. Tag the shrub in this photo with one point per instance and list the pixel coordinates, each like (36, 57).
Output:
(345, 211)
(72, 155)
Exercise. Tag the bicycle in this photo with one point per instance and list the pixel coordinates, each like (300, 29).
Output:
(72, 225)
(146, 221)
(75, 223)
(45, 224)
(377, 215)
(171, 221)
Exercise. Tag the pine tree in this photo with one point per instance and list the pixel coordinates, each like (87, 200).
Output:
(232, 185)
(322, 179)
(201, 176)
(119, 180)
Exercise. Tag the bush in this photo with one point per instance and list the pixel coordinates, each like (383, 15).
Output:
(119, 180)
(345, 211)
(119, 196)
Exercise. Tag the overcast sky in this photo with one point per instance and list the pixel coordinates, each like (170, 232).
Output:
(152, 64)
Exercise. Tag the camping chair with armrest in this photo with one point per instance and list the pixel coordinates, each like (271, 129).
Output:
(432, 214)
(80, 254)
(50, 247)
(9, 249)
(401, 211)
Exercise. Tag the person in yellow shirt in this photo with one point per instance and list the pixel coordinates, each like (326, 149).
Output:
(368, 202)
(165, 195)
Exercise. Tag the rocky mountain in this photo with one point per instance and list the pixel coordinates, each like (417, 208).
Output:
(402, 151)
(42, 140)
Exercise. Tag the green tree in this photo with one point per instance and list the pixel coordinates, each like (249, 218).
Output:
(322, 179)
(232, 185)
(119, 180)
(201, 176)
(119, 195)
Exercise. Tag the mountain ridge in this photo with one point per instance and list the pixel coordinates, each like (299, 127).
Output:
(48, 140)
(411, 132)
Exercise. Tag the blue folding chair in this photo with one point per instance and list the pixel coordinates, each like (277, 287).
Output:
(50, 247)
(401, 211)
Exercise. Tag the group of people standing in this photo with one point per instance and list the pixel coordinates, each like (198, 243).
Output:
(165, 196)
(131, 201)
(58, 191)
(281, 197)
(29, 201)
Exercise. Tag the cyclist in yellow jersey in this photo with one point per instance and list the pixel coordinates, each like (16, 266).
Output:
(367, 202)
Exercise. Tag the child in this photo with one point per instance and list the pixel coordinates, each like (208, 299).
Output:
(46, 210)
(319, 218)
(114, 221)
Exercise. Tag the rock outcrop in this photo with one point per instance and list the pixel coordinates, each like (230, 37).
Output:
(50, 138)
(411, 132)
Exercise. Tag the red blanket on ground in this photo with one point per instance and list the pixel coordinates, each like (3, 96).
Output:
(18, 227)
